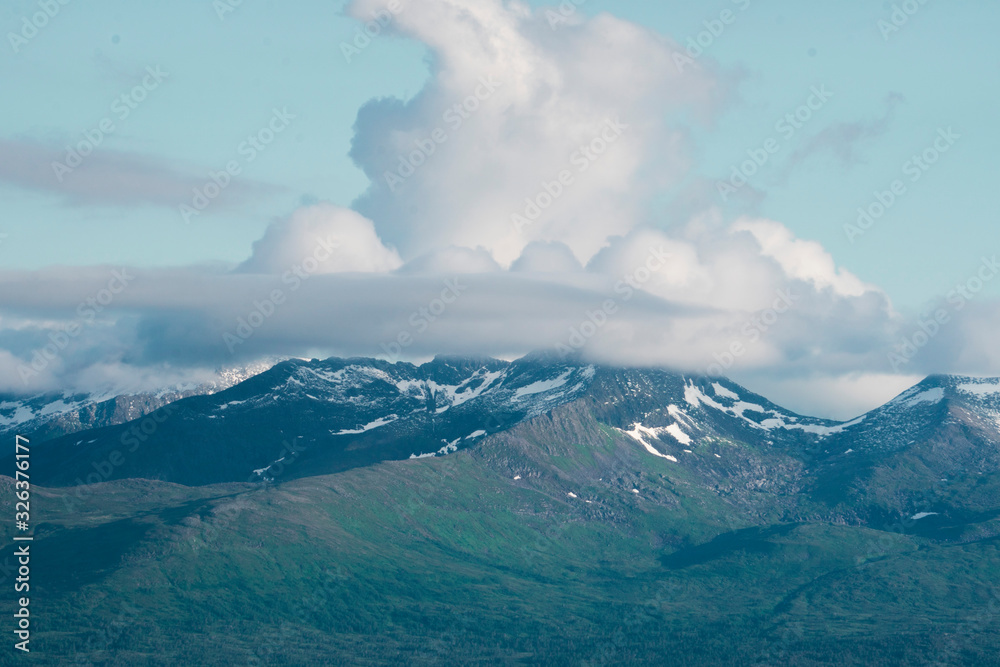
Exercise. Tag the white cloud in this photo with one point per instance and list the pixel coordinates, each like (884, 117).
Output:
(453, 260)
(552, 93)
(804, 260)
(836, 344)
(12, 379)
(547, 257)
(339, 240)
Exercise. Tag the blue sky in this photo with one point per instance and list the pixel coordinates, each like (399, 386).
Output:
(264, 68)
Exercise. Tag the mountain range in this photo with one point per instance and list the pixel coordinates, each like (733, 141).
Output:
(545, 510)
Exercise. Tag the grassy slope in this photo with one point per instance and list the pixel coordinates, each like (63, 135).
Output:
(452, 561)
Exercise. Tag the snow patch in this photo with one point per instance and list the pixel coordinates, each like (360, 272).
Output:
(456, 395)
(680, 415)
(985, 388)
(922, 515)
(543, 385)
(680, 435)
(260, 471)
(696, 397)
(935, 395)
(449, 447)
(818, 429)
(378, 423)
(637, 433)
(723, 392)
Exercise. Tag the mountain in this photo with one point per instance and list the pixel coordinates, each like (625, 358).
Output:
(931, 452)
(333, 414)
(303, 418)
(541, 511)
(50, 415)
(341, 413)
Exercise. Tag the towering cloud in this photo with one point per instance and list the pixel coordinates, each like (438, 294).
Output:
(336, 239)
(528, 130)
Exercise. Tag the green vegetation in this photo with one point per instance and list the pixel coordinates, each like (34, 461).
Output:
(454, 561)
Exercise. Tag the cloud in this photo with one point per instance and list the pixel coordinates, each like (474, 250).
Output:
(511, 106)
(332, 238)
(804, 260)
(546, 257)
(453, 260)
(110, 178)
(844, 139)
(747, 300)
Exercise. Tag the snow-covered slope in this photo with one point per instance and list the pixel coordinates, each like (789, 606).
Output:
(315, 417)
(50, 415)
(936, 403)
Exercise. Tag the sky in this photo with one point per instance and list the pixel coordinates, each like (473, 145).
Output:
(793, 194)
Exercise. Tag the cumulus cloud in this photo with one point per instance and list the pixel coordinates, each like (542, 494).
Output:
(331, 238)
(804, 260)
(546, 257)
(569, 129)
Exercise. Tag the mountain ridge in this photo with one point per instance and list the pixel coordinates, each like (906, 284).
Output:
(339, 413)
(604, 516)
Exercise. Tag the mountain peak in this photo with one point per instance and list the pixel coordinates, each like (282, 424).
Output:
(982, 391)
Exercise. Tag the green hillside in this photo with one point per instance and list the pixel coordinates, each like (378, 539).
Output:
(484, 557)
